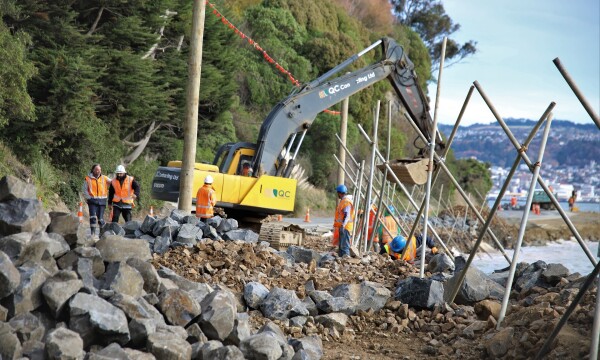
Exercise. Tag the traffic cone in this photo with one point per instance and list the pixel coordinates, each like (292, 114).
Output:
(152, 211)
(307, 216)
(279, 217)
(80, 212)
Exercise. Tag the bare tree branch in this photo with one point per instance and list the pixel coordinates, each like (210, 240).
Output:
(95, 24)
(139, 146)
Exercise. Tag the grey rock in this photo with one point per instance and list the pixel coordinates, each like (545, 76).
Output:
(337, 305)
(188, 234)
(116, 248)
(200, 292)
(317, 296)
(180, 281)
(137, 308)
(298, 321)
(241, 330)
(161, 244)
(59, 288)
(12, 188)
(10, 347)
(555, 272)
(14, 245)
(70, 259)
(9, 276)
(112, 351)
(132, 227)
(124, 279)
(246, 235)
(178, 307)
(287, 352)
(22, 215)
(172, 330)
(261, 346)
(148, 225)
(27, 327)
(366, 295)
(229, 352)
(440, 263)
(38, 252)
(113, 228)
(282, 304)
(475, 287)
(190, 219)
(205, 349)
(421, 293)
(97, 321)
(312, 345)
(254, 294)
(28, 294)
(148, 272)
(163, 224)
(34, 350)
(84, 268)
(3, 313)
(56, 244)
(218, 315)
(214, 222)
(333, 321)
(63, 343)
(227, 225)
(310, 306)
(178, 215)
(140, 329)
(302, 255)
(195, 334)
(68, 226)
(165, 347)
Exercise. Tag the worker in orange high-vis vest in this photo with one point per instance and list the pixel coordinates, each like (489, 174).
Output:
(123, 192)
(344, 220)
(206, 199)
(95, 192)
(388, 229)
(396, 247)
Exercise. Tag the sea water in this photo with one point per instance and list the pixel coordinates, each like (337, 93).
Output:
(566, 252)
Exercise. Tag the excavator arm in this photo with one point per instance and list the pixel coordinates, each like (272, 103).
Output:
(297, 112)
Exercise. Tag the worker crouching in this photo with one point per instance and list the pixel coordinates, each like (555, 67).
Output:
(396, 247)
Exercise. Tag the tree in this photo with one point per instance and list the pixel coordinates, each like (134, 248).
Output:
(429, 19)
(473, 176)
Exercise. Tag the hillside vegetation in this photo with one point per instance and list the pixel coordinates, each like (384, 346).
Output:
(84, 82)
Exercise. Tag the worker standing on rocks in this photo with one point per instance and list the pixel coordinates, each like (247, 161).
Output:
(206, 199)
(396, 247)
(95, 191)
(344, 220)
(121, 195)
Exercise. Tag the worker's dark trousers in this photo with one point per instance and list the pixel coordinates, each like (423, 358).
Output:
(117, 211)
(344, 242)
(96, 208)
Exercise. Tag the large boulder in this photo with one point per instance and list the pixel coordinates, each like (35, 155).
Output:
(63, 343)
(58, 289)
(116, 248)
(282, 304)
(420, 293)
(366, 295)
(67, 225)
(218, 317)
(9, 276)
(254, 294)
(178, 306)
(14, 188)
(14, 245)
(22, 215)
(97, 321)
(123, 279)
(28, 294)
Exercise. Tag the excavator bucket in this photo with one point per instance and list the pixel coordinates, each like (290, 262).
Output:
(409, 171)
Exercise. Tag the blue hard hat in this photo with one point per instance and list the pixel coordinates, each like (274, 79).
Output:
(342, 189)
(398, 244)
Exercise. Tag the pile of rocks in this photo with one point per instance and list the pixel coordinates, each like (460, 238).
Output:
(64, 296)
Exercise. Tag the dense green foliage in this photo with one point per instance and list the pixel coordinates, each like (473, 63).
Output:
(86, 80)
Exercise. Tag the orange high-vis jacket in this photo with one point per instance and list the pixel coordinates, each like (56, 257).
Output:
(97, 188)
(391, 225)
(340, 215)
(206, 199)
(123, 192)
(411, 252)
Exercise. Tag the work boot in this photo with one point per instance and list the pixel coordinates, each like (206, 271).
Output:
(95, 233)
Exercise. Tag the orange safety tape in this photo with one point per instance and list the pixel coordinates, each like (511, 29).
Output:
(258, 48)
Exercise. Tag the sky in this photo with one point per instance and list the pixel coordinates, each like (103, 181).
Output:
(517, 41)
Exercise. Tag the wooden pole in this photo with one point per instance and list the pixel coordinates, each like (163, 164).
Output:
(190, 128)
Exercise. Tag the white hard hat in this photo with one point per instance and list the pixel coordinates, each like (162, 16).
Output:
(120, 169)
(208, 179)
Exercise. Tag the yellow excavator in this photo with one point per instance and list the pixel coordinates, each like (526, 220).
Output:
(269, 189)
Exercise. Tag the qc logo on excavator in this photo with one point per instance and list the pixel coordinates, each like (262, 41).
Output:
(332, 90)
